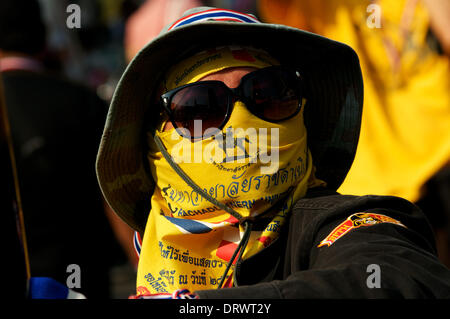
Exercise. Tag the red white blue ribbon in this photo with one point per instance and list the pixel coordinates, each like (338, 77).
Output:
(137, 242)
(215, 15)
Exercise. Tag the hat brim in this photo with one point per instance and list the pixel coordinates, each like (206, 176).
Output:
(334, 90)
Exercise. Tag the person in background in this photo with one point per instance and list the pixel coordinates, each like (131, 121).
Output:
(146, 23)
(404, 49)
(56, 126)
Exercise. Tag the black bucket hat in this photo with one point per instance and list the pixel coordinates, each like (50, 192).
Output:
(334, 93)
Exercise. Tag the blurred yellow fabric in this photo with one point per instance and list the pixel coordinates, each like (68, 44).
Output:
(405, 133)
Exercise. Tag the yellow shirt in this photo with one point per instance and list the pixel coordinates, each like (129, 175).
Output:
(405, 133)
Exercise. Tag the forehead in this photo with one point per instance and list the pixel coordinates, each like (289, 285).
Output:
(230, 76)
(201, 64)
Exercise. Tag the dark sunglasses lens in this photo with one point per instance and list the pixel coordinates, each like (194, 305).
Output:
(274, 94)
(206, 102)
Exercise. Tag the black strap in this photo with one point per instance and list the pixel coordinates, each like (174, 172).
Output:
(240, 248)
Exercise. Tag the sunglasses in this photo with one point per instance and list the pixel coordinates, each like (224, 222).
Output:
(272, 94)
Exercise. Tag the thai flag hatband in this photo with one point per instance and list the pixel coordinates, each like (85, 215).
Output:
(216, 15)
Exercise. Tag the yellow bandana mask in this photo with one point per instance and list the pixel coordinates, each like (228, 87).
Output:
(189, 241)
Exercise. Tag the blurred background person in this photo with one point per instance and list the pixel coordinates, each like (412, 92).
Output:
(404, 49)
(56, 127)
(147, 22)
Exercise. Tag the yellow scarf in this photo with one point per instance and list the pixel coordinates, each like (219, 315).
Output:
(188, 240)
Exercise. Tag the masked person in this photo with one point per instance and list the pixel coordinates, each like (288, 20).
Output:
(224, 146)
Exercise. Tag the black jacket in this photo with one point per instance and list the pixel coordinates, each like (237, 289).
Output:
(56, 127)
(383, 260)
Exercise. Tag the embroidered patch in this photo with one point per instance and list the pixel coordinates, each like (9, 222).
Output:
(355, 221)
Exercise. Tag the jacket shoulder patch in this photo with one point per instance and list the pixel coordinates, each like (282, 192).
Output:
(355, 221)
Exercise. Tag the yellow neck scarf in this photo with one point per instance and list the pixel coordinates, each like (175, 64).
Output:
(188, 240)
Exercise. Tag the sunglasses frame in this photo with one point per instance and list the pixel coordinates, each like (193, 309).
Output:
(235, 94)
